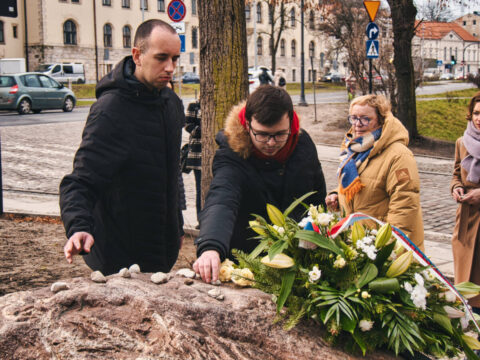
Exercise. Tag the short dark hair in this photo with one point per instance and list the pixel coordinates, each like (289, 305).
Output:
(471, 106)
(268, 104)
(145, 29)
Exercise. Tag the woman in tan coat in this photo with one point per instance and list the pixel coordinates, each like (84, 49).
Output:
(378, 174)
(465, 188)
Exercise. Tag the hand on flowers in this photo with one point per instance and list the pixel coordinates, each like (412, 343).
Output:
(472, 197)
(208, 265)
(458, 193)
(78, 242)
(332, 202)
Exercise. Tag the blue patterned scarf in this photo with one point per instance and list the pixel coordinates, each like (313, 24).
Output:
(357, 150)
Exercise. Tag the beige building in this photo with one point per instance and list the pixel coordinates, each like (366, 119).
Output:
(99, 33)
(471, 23)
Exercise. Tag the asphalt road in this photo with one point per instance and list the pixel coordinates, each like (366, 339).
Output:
(10, 118)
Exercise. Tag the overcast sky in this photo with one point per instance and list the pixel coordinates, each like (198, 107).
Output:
(456, 10)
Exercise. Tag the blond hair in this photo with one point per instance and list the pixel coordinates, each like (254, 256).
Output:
(379, 102)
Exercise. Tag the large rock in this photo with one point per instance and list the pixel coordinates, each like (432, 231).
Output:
(137, 319)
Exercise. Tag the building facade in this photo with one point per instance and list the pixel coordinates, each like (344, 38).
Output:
(448, 47)
(99, 33)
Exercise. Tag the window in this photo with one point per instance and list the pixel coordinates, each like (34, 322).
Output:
(294, 73)
(107, 2)
(107, 35)
(464, 23)
(15, 31)
(194, 37)
(69, 33)
(125, 3)
(247, 12)
(68, 69)
(474, 22)
(292, 18)
(259, 12)
(143, 4)
(444, 54)
(47, 82)
(2, 35)
(75, 1)
(31, 81)
(311, 49)
(161, 5)
(259, 46)
(311, 20)
(127, 37)
(270, 15)
(194, 7)
(282, 47)
(293, 47)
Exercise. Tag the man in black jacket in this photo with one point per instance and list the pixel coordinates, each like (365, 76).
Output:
(120, 204)
(263, 157)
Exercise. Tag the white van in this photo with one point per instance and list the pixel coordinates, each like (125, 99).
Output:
(64, 72)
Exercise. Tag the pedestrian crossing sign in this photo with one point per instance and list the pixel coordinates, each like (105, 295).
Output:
(372, 49)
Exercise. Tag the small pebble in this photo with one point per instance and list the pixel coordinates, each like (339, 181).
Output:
(216, 294)
(188, 282)
(216, 282)
(159, 278)
(98, 277)
(125, 273)
(186, 273)
(135, 268)
(59, 286)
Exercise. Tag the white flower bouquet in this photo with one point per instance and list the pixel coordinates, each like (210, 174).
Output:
(362, 285)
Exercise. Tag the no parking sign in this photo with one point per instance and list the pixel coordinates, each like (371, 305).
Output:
(176, 10)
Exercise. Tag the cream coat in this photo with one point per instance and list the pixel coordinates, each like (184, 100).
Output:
(392, 184)
(466, 255)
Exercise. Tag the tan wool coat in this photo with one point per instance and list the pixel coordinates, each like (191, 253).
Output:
(465, 240)
(392, 184)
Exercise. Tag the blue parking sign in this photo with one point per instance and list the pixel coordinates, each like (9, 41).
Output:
(372, 49)
(182, 42)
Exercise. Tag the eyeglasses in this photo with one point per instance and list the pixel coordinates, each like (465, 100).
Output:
(264, 137)
(363, 120)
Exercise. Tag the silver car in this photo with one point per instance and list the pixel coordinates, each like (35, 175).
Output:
(35, 92)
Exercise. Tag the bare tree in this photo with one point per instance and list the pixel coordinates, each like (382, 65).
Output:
(433, 10)
(223, 71)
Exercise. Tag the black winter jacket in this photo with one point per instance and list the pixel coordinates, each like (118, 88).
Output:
(124, 186)
(242, 185)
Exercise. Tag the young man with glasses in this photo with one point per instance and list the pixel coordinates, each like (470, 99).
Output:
(263, 157)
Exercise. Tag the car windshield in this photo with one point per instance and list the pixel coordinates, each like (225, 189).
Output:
(7, 81)
(44, 67)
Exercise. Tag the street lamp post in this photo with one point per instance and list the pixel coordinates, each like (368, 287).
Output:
(302, 59)
(463, 58)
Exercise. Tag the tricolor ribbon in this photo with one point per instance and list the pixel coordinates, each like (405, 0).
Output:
(346, 222)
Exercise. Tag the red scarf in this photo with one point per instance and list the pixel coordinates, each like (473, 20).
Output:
(284, 153)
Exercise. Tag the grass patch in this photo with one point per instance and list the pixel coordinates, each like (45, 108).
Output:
(84, 91)
(294, 88)
(442, 119)
(449, 94)
(85, 102)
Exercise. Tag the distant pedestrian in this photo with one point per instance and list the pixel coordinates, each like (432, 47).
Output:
(193, 125)
(264, 78)
(351, 84)
(465, 189)
(377, 174)
(279, 79)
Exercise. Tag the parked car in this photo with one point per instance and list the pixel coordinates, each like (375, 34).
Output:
(26, 92)
(333, 77)
(190, 78)
(64, 72)
(431, 74)
(446, 76)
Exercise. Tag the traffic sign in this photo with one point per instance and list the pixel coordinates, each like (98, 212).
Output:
(372, 31)
(372, 8)
(182, 42)
(176, 10)
(439, 62)
(179, 27)
(372, 49)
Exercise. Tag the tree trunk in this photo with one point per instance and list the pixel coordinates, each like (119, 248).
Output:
(403, 22)
(223, 71)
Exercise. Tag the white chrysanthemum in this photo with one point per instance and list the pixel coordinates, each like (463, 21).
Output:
(373, 232)
(365, 295)
(324, 219)
(428, 274)
(450, 296)
(419, 279)
(371, 252)
(339, 263)
(280, 229)
(365, 325)
(419, 297)
(315, 274)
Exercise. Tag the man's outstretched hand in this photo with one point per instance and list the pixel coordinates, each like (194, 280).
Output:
(78, 242)
(208, 266)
